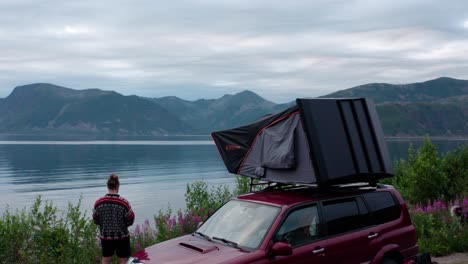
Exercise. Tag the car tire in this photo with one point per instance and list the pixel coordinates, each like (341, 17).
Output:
(389, 261)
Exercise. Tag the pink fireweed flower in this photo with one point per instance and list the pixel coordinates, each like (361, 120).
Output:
(429, 208)
(439, 205)
(464, 204)
(137, 231)
(171, 222)
(418, 209)
(146, 226)
(196, 219)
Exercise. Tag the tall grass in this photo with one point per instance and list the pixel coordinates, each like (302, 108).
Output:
(43, 234)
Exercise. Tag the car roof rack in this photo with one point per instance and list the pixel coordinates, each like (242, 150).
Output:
(269, 186)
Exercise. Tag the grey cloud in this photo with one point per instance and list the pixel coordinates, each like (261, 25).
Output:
(203, 49)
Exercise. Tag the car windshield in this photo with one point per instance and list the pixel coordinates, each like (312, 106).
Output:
(241, 222)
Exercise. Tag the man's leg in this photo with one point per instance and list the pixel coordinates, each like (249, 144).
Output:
(107, 251)
(123, 250)
(107, 260)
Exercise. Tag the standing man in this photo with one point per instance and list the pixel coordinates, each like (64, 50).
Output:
(113, 214)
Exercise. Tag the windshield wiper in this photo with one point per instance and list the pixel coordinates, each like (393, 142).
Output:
(229, 242)
(203, 235)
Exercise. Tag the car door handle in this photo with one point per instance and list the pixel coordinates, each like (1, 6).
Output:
(372, 235)
(318, 250)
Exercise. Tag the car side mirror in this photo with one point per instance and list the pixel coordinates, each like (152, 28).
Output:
(281, 249)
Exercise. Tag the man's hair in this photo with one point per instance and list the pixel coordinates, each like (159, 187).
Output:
(113, 182)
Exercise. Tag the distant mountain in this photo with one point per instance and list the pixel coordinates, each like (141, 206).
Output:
(416, 92)
(226, 112)
(438, 108)
(47, 108)
(443, 118)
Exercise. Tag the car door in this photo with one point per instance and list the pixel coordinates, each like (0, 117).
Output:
(302, 230)
(385, 211)
(349, 231)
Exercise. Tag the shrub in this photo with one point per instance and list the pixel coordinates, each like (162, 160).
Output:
(242, 185)
(428, 175)
(439, 233)
(41, 235)
(199, 198)
(455, 166)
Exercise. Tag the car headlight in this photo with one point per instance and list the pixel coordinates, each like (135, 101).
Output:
(133, 260)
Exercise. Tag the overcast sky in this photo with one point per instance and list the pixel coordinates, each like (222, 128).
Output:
(207, 48)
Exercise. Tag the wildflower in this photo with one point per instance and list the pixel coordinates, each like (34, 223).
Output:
(137, 231)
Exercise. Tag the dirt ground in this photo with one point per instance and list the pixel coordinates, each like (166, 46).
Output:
(458, 258)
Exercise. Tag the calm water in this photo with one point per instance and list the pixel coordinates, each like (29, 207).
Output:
(154, 173)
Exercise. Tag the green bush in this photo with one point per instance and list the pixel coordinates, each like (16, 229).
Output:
(455, 167)
(438, 232)
(199, 197)
(242, 185)
(427, 175)
(41, 235)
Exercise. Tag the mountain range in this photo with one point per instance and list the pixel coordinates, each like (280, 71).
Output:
(437, 107)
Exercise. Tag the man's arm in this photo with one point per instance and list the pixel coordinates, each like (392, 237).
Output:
(130, 216)
(96, 218)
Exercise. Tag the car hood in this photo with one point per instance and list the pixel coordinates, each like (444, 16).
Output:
(188, 249)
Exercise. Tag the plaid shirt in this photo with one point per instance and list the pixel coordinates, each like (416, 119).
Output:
(113, 214)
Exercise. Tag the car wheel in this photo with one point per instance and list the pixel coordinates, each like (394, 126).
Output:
(389, 261)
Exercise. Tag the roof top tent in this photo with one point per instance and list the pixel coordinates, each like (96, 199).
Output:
(317, 141)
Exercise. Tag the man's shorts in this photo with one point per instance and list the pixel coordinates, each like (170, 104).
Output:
(119, 246)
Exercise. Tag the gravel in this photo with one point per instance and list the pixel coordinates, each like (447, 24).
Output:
(457, 258)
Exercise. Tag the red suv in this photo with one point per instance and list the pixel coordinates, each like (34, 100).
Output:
(298, 224)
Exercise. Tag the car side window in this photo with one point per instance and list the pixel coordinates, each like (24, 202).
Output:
(345, 215)
(300, 226)
(383, 206)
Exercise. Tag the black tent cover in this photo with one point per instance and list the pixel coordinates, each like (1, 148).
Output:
(317, 141)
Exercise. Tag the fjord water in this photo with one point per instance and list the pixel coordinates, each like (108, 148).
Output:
(154, 173)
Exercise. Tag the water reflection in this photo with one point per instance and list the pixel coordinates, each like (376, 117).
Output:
(51, 163)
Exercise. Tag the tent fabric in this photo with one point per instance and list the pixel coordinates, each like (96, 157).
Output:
(277, 144)
(280, 154)
(318, 141)
(234, 144)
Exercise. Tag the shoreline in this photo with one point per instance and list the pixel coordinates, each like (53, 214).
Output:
(112, 137)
